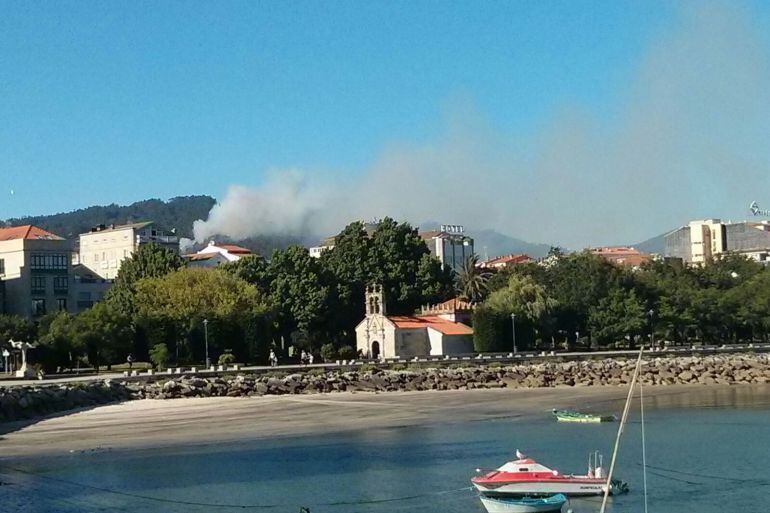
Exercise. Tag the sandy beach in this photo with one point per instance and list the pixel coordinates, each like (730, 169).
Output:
(185, 422)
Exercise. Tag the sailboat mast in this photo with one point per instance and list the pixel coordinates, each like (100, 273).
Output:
(620, 429)
(644, 445)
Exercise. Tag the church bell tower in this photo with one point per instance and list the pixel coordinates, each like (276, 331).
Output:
(375, 300)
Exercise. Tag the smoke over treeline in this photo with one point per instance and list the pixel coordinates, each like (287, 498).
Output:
(689, 140)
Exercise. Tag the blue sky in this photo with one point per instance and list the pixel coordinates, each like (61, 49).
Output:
(121, 101)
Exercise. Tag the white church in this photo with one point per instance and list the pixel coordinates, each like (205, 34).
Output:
(436, 330)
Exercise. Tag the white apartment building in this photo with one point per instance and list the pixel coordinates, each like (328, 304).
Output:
(700, 241)
(449, 245)
(104, 248)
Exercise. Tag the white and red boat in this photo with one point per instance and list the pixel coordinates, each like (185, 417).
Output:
(525, 476)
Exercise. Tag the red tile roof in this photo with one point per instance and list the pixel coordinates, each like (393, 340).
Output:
(231, 248)
(437, 323)
(199, 256)
(623, 255)
(508, 260)
(27, 232)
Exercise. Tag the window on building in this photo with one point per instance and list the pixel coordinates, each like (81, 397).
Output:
(96, 257)
(38, 307)
(38, 284)
(61, 304)
(48, 261)
(60, 283)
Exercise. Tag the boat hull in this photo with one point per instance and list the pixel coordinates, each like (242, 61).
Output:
(571, 416)
(569, 488)
(584, 420)
(550, 504)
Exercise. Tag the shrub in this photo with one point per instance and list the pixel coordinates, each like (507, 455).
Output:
(368, 367)
(159, 355)
(328, 353)
(488, 329)
(347, 353)
(226, 358)
(398, 367)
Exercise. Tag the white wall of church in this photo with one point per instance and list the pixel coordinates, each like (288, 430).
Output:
(377, 329)
(457, 344)
(412, 342)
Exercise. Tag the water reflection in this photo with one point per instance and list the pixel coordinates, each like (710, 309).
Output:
(701, 446)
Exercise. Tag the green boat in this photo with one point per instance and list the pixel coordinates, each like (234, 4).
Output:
(573, 416)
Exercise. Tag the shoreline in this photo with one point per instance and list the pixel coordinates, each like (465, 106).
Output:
(196, 422)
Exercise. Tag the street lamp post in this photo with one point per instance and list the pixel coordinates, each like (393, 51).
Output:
(206, 337)
(6, 354)
(651, 314)
(513, 329)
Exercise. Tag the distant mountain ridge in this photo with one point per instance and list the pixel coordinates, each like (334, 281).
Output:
(654, 245)
(489, 243)
(181, 212)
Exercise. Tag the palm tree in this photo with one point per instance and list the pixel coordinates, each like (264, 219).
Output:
(472, 280)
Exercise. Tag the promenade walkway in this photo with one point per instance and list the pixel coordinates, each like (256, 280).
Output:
(502, 358)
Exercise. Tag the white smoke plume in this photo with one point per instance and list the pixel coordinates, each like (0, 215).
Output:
(285, 204)
(689, 141)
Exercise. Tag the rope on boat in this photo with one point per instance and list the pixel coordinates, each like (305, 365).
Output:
(234, 506)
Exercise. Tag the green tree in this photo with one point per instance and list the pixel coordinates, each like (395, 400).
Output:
(753, 300)
(15, 327)
(491, 330)
(578, 282)
(328, 352)
(252, 269)
(56, 334)
(104, 334)
(399, 261)
(297, 292)
(621, 313)
(159, 355)
(148, 261)
(178, 302)
(346, 269)
(472, 280)
(529, 301)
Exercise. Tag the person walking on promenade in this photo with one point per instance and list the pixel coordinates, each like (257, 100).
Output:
(303, 358)
(273, 359)
(130, 360)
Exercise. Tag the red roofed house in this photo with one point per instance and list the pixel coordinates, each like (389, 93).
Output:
(506, 261)
(35, 272)
(622, 255)
(216, 254)
(432, 332)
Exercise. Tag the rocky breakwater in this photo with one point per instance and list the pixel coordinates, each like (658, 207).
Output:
(26, 402)
(733, 369)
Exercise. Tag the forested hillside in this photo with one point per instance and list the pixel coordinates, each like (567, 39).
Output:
(177, 213)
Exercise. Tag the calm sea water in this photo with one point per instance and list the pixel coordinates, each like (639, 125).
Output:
(707, 460)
